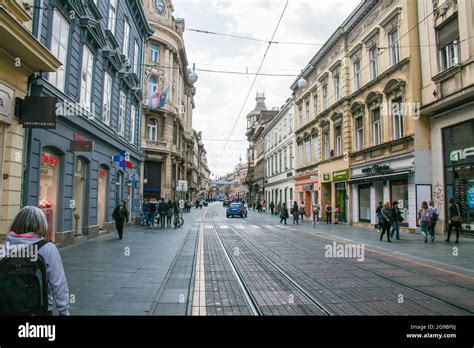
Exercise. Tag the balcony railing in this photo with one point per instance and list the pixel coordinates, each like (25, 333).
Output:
(155, 145)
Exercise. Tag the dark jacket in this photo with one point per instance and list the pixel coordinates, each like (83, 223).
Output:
(396, 214)
(453, 211)
(120, 214)
(152, 208)
(163, 208)
(284, 213)
(387, 215)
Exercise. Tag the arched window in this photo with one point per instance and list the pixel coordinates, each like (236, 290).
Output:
(152, 85)
(152, 129)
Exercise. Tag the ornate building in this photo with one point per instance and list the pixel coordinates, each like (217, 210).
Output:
(167, 133)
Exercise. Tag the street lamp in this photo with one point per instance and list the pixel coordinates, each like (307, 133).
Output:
(302, 83)
(193, 76)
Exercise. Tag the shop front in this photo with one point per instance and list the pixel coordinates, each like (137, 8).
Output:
(306, 191)
(48, 189)
(340, 178)
(388, 180)
(458, 143)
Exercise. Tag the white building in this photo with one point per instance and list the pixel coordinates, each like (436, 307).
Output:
(279, 157)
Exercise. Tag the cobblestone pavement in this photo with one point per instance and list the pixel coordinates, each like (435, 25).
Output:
(256, 266)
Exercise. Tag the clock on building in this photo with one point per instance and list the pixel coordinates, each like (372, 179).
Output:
(160, 5)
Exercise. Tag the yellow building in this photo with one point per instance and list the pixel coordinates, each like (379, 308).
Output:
(21, 55)
(356, 114)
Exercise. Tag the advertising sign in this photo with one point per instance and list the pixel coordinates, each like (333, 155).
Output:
(341, 175)
(181, 186)
(39, 112)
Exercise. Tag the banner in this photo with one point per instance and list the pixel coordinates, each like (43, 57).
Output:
(154, 100)
(163, 98)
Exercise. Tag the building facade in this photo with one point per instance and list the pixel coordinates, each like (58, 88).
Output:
(21, 55)
(278, 139)
(98, 88)
(447, 51)
(168, 136)
(357, 114)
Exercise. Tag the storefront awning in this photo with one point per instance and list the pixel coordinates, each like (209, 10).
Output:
(383, 177)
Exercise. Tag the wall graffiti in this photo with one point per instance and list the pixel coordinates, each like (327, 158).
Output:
(438, 194)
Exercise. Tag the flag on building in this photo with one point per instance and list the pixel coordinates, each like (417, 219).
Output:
(154, 100)
(163, 98)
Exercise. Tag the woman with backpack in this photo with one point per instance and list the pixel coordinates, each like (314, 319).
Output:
(162, 210)
(424, 219)
(120, 215)
(296, 213)
(29, 229)
(434, 219)
(387, 216)
(455, 219)
(284, 214)
(169, 213)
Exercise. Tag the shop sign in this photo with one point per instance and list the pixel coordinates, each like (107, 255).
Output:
(39, 112)
(181, 186)
(102, 173)
(326, 177)
(458, 155)
(81, 146)
(6, 104)
(308, 187)
(123, 159)
(376, 169)
(470, 197)
(49, 159)
(341, 175)
(133, 179)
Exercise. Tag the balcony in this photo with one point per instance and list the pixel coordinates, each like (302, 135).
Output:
(155, 145)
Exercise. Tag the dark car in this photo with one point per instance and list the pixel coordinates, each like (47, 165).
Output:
(236, 209)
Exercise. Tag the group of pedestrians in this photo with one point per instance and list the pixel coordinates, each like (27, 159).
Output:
(160, 212)
(389, 218)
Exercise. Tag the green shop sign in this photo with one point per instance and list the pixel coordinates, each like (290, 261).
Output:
(326, 177)
(341, 175)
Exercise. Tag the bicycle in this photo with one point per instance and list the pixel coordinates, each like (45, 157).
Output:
(178, 220)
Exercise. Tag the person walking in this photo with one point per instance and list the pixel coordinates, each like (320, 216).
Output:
(152, 212)
(386, 213)
(434, 219)
(169, 213)
(424, 220)
(201, 203)
(272, 207)
(337, 214)
(296, 213)
(397, 218)
(302, 208)
(162, 210)
(145, 210)
(328, 214)
(120, 215)
(378, 214)
(455, 219)
(259, 207)
(284, 214)
(29, 228)
(316, 210)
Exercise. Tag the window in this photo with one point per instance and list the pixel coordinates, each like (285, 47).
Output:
(308, 151)
(280, 167)
(359, 127)
(152, 129)
(316, 148)
(326, 145)
(285, 159)
(315, 100)
(397, 118)
(377, 126)
(273, 166)
(300, 115)
(300, 154)
(374, 65)
(291, 124)
(448, 44)
(175, 134)
(133, 117)
(154, 53)
(337, 86)
(136, 61)
(59, 45)
(107, 99)
(112, 16)
(394, 43)
(325, 96)
(86, 78)
(291, 156)
(152, 86)
(356, 69)
(126, 39)
(307, 110)
(338, 136)
(121, 119)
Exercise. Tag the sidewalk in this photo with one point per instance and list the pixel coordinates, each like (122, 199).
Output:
(108, 276)
(411, 245)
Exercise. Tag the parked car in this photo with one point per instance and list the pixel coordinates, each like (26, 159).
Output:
(236, 209)
(226, 203)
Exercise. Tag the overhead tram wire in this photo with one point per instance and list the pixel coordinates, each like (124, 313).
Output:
(258, 71)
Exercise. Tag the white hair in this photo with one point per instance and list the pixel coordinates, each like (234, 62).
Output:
(30, 219)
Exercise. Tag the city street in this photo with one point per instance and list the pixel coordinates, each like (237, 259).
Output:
(256, 266)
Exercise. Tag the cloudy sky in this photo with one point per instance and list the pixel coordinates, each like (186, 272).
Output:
(220, 97)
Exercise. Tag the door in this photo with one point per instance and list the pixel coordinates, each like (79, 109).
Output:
(102, 198)
(78, 205)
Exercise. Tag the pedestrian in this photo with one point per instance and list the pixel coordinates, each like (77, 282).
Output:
(145, 210)
(152, 212)
(162, 210)
(397, 219)
(302, 208)
(120, 215)
(337, 214)
(29, 227)
(378, 214)
(296, 213)
(181, 205)
(434, 219)
(424, 219)
(197, 203)
(259, 207)
(386, 213)
(278, 208)
(272, 207)
(284, 214)
(169, 213)
(201, 203)
(316, 210)
(328, 214)
(455, 219)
